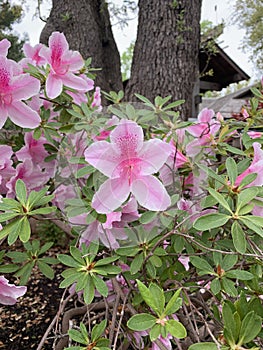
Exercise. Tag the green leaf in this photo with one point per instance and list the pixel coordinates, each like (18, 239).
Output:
(100, 285)
(127, 251)
(173, 105)
(45, 269)
(240, 274)
(246, 196)
(249, 222)
(155, 332)
(24, 229)
(158, 295)
(203, 346)
(98, 330)
(77, 336)
(69, 261)
(149, 298)
(231, 167)
(25, 272)
(215, 286)
(173, 304)
(250, 327)
(136, 263)
(43, 211)
(247, 180)
(148, 217)
(220, 199)
(210, 221)
(45, 247)
(86, 170)
(212, 174)
(8, 229)
(202, 264)
(229, 287)
(8, 216)
(9, 268)
(89, 291)
(21, 192)
(106, 261)
(145, 100)
(176, 329)
(77, 255)
(229, 324)
(68, 281)
(229, 261)
(141, 322)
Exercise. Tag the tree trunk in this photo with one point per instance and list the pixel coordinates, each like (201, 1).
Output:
(86, 25)
(165, 60)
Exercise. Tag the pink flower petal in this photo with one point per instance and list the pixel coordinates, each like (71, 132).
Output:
(206, 115)
(154, 154)
(111, 194)
(150, 193)
(58, 44)
(127, 138)
(75, 82)
(54, 86)
(23, 116)
(101, 156)
(3, 116)
(9, 292)
(4, 46)
(24, 86)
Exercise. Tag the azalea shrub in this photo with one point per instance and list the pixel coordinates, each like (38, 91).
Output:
(164, 218)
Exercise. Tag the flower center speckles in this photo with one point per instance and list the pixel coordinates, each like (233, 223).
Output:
(5, 77)
(127, 145)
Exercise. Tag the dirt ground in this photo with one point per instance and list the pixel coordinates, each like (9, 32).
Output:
(23, 325)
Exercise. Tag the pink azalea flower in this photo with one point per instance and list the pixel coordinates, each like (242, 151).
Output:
(112, 230)
(128, 162)
(104, 134)
(9, 292)
(63, 64)
(255, 134)
(32, 55)
(6, 167)
(106, 233)
(204, 130)
(15, 87)
(63, 193)
(80, 96)
(97, 99)
(165, 341)
(175, 161)
(31, 174)
(255, 167)
(35, 150)
(4, 46)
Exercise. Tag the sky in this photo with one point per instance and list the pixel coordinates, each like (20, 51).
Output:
(213, 10)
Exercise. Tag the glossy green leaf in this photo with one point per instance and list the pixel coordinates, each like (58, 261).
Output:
(141, 322)
(203, 346)
(21, 192)
(210, 221)
(176, 329)
(202, 264)
(250, 327)
(220, 199)
(231, 168)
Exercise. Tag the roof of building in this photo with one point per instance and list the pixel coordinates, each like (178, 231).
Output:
(225, 70)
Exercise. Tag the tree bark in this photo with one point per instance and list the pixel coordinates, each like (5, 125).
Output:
(165, 60)
(86, 25)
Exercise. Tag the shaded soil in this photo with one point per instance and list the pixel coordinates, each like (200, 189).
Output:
(23, 325)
